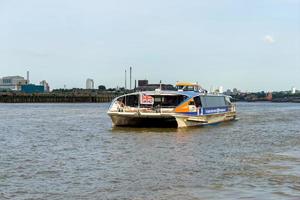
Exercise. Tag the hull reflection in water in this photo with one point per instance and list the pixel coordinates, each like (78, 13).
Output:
(126, 120)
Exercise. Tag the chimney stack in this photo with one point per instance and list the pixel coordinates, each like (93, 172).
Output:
(27, 77)
(130, 77)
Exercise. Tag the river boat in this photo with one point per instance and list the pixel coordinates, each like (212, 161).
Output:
(189, 105)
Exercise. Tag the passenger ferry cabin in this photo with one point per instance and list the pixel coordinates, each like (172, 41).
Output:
(190, 105)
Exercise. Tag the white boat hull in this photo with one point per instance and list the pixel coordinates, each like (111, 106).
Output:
(202, 120)
(168, 120)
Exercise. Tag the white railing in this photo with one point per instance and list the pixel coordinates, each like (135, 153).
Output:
(143, 110)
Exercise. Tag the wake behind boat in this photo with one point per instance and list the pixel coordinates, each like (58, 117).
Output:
(190, 105)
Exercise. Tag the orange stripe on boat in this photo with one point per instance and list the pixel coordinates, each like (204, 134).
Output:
(183, 107)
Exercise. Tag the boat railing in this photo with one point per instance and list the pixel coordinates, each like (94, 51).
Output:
(156, 109)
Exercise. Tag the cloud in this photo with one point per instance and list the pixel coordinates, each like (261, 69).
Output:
(269, 39)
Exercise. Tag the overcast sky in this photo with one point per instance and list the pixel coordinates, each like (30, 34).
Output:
(251, 45)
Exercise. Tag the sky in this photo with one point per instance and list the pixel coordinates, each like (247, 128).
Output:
(252, 45)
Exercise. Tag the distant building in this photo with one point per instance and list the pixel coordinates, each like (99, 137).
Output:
(12, 82)
(218, 90)
(89, 83)
(142, 83)
(46, 86)
(293, 90)
(31, 88)
(269, 96)
(235, 91)
(152, 87)
(228, 92)
(221, 90)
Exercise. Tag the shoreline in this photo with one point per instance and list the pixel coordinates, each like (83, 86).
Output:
(93, 100)
(101, 97)
(57, 98)
(272, 101)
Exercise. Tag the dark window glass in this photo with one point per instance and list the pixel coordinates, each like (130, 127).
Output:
(197, 101)
(132, 100)
(213, 101)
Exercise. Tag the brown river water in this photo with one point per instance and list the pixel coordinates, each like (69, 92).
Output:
(71, 151)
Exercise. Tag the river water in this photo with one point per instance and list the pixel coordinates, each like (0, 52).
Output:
(70, 151)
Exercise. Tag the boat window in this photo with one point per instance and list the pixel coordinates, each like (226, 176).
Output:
(158, 99)
(213, 101)
(131, 100)
(168, 100)
(187, 88)
(179, 87)
(197, 101)
(191, 103)
(121, 100)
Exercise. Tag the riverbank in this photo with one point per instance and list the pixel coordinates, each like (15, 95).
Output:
(277, 97)
(279, 100)
(57, 98)
(95, 96)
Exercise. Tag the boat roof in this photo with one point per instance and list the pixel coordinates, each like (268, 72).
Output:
(186, 84)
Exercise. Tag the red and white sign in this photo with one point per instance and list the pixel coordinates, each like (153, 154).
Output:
(146, 99)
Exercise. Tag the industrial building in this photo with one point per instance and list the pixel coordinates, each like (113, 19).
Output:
(143, 85)
(12, 82)
(46, 86)
(31, 88)
(19, 83)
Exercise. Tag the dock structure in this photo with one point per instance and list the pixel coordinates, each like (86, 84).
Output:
(56, 98)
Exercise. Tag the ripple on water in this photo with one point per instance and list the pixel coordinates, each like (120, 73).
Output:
(70, 151)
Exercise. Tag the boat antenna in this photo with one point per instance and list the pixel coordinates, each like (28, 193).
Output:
(160, 84)
(130, 77)
(125, 79)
